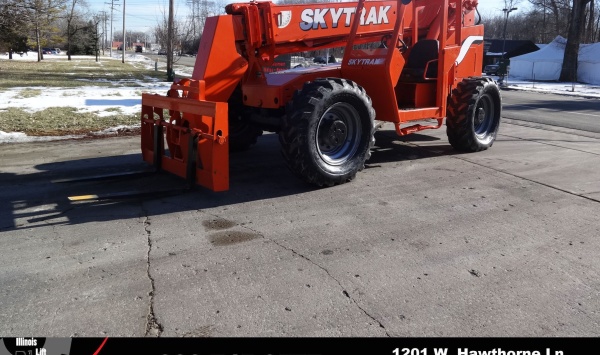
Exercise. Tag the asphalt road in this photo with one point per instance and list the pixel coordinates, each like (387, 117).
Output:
(552, 109)
(424, 242)
(179, 60)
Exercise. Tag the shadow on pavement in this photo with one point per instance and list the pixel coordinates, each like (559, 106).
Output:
(36, 199)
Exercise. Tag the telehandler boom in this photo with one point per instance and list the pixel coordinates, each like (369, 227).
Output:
(413, 63)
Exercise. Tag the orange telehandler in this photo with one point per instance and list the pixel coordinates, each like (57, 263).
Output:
(413, 63)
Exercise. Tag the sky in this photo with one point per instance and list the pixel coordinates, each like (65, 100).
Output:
(99, 99)
(494, 7)
(142, 15)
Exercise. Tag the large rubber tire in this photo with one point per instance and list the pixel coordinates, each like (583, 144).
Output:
(473, 114)
(328, 131)
(242, 134)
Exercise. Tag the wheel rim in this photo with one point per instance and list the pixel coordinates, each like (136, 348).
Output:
(483, 122)
(338, 133)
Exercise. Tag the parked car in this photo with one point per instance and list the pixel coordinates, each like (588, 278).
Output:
(162, 52)
(491, 69)
(139, 49)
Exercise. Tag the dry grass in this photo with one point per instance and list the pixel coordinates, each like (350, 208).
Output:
(75, 73)
(28, 93)
(55, 121)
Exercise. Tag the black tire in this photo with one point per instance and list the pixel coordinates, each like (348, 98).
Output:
(473, 114)
(242, 134)
(328, 131)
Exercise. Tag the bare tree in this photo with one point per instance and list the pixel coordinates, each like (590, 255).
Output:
(590, 30)
(543, 21)
(576, 27)
(43, 14)
(553, 15)
(194, 27)
(73, 22)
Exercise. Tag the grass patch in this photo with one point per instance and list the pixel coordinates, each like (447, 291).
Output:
(56, 121)
(73, 93)
(75, 73)
(25, 94)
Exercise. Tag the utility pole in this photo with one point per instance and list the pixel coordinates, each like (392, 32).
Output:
(97, 37)
(170, 74)
(124, 37)
(503, 69)
(103, 29)
(193, 3)
(506, 11)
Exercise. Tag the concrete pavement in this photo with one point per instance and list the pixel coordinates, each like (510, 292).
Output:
(425, 242)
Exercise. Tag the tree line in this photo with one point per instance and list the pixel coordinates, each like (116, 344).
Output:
(543, 20)
(576, 20)
(34, 24)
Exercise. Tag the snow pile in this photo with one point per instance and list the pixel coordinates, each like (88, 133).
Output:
(546, 64)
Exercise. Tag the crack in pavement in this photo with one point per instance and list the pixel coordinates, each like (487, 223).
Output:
(327, 272)
(153, 327)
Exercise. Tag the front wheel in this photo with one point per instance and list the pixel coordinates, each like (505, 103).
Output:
(473, 117)
(328, 131)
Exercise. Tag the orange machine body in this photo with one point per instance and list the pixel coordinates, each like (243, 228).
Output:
(236, 47)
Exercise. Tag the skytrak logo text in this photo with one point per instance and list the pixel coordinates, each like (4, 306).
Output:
(312, 19)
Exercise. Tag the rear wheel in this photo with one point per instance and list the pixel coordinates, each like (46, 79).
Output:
(327, 133)
(242, 133)
(474, 110)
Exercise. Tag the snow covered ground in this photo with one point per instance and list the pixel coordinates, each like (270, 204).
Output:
(573, 89)
(128, 99)
(102, 100)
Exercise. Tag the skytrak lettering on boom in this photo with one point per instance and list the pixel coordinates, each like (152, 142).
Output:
(313, 19)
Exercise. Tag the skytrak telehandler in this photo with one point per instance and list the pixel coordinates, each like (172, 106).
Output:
(404, 61)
